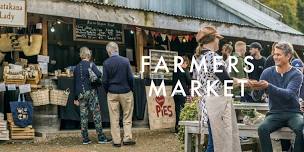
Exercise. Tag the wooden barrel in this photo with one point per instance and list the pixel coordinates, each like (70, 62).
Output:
(46, 119)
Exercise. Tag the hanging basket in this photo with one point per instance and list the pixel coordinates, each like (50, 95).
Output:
(5, 42)
(30, 45)
(59, 97)
(40, 97)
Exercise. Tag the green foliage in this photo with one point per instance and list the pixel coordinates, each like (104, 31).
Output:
(292, 11)
(189, 112)
(249, 112)
(300, 14)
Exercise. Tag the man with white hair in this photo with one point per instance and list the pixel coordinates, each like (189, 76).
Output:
(118, 84)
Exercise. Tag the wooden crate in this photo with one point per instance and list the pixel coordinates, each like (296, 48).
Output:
(4, 133)
(12, 81)
(3, 129)
(17, 132)
(4, 136)
(22, 134)
(9, 117)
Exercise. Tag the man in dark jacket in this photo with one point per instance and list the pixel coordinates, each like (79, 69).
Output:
(118, 84)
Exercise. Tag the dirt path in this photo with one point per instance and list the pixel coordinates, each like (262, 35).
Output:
(146, 142)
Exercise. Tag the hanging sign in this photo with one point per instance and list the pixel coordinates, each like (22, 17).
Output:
(2, 87)
(13, 13)
(24, 88)
(11, 87)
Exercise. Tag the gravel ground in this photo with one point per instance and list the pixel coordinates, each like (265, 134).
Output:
(152, 141)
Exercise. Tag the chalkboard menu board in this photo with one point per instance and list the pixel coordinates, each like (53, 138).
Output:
(97, 31)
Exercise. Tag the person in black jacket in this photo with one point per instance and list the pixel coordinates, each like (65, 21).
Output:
(185, 80)
(270, 61)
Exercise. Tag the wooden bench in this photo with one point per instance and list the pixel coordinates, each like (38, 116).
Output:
(192, 128)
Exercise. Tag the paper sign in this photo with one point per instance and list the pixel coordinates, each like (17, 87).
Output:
(2, 87)
(24, 88)
(11, 87)
(44, 68)
(129, 54)
(43, 59)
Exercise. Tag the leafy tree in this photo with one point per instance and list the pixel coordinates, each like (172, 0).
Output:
(286, 7)
(300, 15)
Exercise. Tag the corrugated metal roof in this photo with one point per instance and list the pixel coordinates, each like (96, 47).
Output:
(249, 13)
(198, 8)
(154, 11)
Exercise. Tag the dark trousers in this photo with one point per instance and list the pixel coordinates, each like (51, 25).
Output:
(286, 144)
(210, 146)
(179, 105)
(276, 121)
(89, 102)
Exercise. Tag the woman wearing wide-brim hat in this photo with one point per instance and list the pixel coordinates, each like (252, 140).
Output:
(216, 111)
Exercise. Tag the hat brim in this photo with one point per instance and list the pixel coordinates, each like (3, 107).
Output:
(219, 36)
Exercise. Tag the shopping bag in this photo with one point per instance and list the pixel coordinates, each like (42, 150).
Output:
(22, 112)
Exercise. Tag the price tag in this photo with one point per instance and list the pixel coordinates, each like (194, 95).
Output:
(43, 59)
(44, 68)
(24, 88)
(11, 87)
(2, 87)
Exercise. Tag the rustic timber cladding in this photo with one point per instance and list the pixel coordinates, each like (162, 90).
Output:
(155, 20)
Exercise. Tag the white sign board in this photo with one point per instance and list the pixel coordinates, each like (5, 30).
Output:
(44, 68)
(11, 87)
(24, 88)
(43, 59)
(2, 87)
(13, 13)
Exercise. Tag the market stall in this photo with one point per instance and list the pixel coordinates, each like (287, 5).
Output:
(43, 59)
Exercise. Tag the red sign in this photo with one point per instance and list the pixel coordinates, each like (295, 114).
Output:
(162, 110)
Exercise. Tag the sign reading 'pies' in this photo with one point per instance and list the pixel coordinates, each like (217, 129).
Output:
(13, 13)
(161, 110)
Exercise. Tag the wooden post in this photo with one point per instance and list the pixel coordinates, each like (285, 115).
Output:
(44, 37)
(44, 40)
(139, 47)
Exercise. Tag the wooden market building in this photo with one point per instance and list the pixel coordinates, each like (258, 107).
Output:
(152, 24)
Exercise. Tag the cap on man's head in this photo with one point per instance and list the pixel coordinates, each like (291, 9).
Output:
(256, 45)
(297, 63)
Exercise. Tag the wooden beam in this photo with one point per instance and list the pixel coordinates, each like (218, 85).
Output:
(44, 37)
(139, 47)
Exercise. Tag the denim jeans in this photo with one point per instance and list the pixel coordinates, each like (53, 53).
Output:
(210, 147)
(276, 121)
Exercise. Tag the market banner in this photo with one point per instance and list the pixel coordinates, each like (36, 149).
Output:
(13, 13)
(161, 110)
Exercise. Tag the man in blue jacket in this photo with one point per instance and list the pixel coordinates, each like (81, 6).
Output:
(118, 84)
(282, 83)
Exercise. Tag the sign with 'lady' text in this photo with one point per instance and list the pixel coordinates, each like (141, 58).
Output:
(13, 13)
